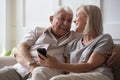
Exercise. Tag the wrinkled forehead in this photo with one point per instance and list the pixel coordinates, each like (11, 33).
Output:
(65, 14)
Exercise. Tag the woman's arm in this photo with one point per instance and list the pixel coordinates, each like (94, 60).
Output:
(94, 61)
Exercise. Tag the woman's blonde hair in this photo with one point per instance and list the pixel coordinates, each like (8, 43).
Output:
(94, 26)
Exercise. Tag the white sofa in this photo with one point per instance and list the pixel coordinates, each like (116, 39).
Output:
(7, 61)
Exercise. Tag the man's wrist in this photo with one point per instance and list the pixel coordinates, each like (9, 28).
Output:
(30, 63)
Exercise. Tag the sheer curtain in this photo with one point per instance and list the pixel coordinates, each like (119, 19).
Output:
(2, 25)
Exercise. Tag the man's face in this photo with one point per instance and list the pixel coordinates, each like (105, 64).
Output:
(61, 23)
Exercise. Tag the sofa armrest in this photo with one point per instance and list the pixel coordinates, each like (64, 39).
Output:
(7, 61)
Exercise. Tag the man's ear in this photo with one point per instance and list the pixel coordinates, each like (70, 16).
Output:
(51, 19)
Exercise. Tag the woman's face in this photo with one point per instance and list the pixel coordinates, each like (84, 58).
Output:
(80, 20)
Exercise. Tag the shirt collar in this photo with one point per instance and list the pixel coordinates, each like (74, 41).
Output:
(48, 30)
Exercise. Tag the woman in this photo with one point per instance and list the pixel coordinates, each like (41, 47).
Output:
(87, 57)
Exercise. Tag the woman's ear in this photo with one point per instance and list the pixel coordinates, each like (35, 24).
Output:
(51, 19)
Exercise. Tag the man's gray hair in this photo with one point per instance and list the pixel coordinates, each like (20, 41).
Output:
(60, 8)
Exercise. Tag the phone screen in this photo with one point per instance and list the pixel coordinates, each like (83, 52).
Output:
(42, 51)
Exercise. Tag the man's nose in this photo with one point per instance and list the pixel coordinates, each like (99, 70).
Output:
(66, 22)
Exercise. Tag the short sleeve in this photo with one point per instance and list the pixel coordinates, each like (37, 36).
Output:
(31, 37)
(104, 44)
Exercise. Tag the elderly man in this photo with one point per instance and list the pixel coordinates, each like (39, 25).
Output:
(54, 39)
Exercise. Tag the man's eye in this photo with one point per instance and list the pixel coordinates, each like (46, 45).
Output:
(62, 18)
(69, 21)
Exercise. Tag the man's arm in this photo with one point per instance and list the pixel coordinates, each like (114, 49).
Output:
(23, 56)
(114, 60)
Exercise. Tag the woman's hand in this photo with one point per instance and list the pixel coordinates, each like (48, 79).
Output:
(48, 61)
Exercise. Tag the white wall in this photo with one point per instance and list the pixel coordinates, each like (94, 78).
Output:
(111, 15)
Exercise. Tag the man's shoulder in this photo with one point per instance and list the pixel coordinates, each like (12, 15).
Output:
(75, 34)
(40, 28)
(36, 30)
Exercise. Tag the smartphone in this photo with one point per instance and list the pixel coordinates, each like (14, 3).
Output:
(42, 51)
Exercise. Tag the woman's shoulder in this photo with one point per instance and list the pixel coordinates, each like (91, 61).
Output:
(104, 39)
(106, 36)
(75, 41)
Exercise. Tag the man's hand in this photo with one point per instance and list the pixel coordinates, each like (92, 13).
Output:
(114, 59)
